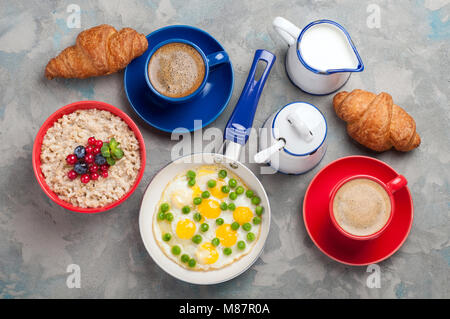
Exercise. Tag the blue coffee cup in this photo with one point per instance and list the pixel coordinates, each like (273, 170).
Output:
(211, 61)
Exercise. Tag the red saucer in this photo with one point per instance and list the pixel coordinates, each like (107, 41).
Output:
(334, 244)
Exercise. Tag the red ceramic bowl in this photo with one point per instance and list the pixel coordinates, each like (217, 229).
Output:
(84, 105)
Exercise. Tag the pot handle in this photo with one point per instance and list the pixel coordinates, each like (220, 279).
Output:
(286, 29)
(241, 120)
(300, 126)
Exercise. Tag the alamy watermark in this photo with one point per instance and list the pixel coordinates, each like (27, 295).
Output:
(374, 279)
(74, 19)
(374, 19)
(211, 140)
(74, 278)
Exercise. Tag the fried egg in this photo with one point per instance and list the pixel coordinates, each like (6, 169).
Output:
(210, 233)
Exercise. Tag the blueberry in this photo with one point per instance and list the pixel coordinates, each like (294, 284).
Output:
(99, 159)
(80, 168)
(80, 152)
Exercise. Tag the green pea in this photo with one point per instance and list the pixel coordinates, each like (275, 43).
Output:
(227, 251)
(223, 206)
(169, 217)
(235, 226)
(206, 194)
(240, 190)
(241, 245)
(233, 195)
(197, 239)
(161, 215)
(167, 237)
(197, 200)
(186, 210)
(231, 206)
(222, 173)
(219, 221)
(256, 200)
(232, 183)
(249, 193)
(259, 210)
(191, 182)
(197, 217)
(185, 258)
(190, 174)
(192, 263)
(204, 227)
(256, 220)
(250, 236)
(225, 189)
(247, 226)
(211, 183)
(164, 207)
(176, 250)
(215, 242)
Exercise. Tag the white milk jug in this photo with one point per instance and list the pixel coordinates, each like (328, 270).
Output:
(321, 57)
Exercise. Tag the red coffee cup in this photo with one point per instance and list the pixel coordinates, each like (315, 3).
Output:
(391, 187)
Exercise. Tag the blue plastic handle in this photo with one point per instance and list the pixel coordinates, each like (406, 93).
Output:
(241, 121)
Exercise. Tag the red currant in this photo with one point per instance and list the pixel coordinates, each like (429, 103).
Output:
(93, 168)
(104, 174)
(94, 176)
(89, 149)
(98, 143)
(85, 178)
(91, 141)
(72, 174)
(89, 158)
(104, 167)
(96, 150)
(71, 159)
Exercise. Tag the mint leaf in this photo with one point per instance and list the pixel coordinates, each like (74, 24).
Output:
(105, 150)
(110, 161)
(117, 153)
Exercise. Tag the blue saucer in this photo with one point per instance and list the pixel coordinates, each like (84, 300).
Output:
(207, 106)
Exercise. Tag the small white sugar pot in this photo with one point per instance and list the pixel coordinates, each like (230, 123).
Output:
(293, 139)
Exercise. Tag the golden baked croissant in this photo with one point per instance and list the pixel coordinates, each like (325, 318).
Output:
(375, 121)
(98, 51)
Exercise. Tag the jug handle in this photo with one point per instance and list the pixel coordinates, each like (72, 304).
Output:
(286, 29)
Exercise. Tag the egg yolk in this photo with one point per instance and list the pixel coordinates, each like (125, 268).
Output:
(196, 191)
(205, 171)
(181, 198)
(242, 215)
(185, 229)
(226, 235)
(216, 191)
(207, 254)
(209, 208)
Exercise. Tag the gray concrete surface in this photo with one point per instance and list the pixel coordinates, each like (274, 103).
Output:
(407, 56)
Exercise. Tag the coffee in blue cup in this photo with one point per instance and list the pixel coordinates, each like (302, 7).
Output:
(177, 70)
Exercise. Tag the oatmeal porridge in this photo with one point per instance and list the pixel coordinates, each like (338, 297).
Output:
(70, 169)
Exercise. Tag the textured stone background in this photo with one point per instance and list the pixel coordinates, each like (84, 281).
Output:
(408, 57)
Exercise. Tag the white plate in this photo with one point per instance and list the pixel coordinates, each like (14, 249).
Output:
(152, 196)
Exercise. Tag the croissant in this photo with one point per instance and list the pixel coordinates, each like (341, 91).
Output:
(98, 51)
(375, 121)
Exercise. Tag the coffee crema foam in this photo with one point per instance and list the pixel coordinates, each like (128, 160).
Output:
(176, 70)
(361, 207)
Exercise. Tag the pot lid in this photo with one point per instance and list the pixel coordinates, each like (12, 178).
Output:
(302, 126)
